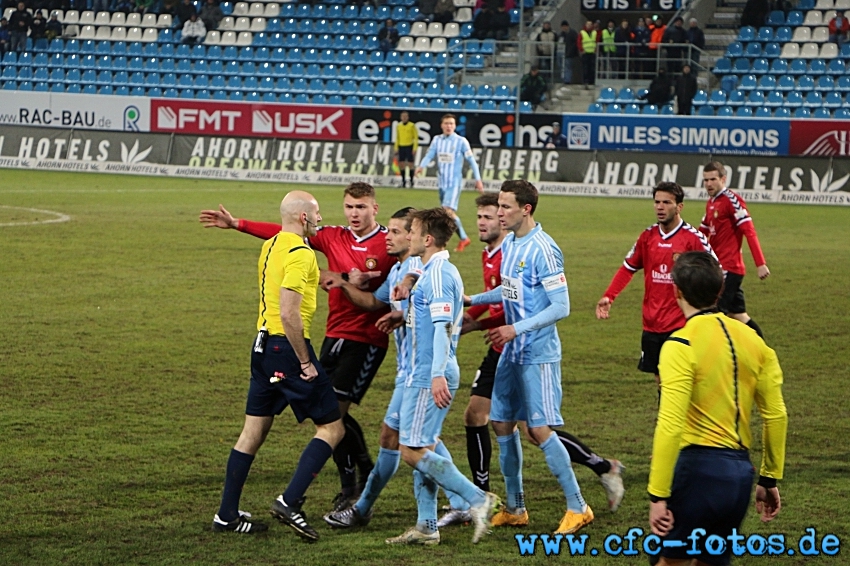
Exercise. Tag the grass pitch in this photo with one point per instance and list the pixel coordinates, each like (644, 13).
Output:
(124, 348)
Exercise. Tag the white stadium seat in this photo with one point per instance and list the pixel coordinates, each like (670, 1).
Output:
(422, 44)
(119, 33)
(802, 34)
(244, 39)
(809, 51)
(258, 25)
(87, 18)
(241, 9)
(438, 44)
(418, 29)
(435, 29)
(228, 38)
(213, 38)
(828, 51)
(150, 35)
(405, 43)
(164, 21)
(87, 32)
(820, 34)
(134, 34)
(463, 15)
(134, 19)
(118, 19)
(272, 10)
(226, 23)
(256, 9)
(452, 29)
(813, 18)
(242, 24)
(790, 50)
(71, 17)
(103, 33)
(149, 21)
(102, 19)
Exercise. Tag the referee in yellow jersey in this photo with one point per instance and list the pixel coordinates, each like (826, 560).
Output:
(406, 144)
(284, 372)
(712, 371)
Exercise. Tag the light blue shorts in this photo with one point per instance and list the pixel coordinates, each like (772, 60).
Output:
(530, 393)
(450, 197)
(392, 418)
(421, 419)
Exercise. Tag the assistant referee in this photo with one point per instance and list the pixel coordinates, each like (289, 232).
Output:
(285, 371)
(406, 144)
(712, 371)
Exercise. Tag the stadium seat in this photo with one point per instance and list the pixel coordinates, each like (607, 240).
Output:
(717, 98)
(607, 95)
(741, 66)
(774, 99)
(782, 113)
(841, 114)
(650, 109)
(828, 51)
(744, 112)
(767, 83)
(631, 109)
(778, 67)
(762, 112)
(790, 50)
(813, 18)
(805, 83)
(765, 34)
(813, 99)
(798, 67)
(755, 98)
(705, 111)
(809, 51)
(824, 83)
(794, 18)
(802, 112)
(793, 99)
(748, 82)
(736, 98)
(725, 111)
(734, 50)
(723, 66)
(822, 113)
(746, 33)
(613, 109)
(833, 100)
(753, 50)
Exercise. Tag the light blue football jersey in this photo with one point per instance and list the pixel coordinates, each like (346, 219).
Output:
(449, 153)
(532, 270)
(383, 293)
(435, 305)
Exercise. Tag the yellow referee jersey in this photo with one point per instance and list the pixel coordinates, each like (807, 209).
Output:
(406, 135)
(286, 262)
(712, 371)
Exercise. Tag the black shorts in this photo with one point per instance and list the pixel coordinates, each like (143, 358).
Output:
(314, 400)
(405, 154)
(486, 375)
(711, 490)
(650, 350)
(732, 298)
(351, 365)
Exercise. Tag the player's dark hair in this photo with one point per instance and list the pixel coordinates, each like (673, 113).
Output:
(487, 199)
(360, 190)
(447, 116)
(525, 192)
(436, 223)
(406, 213)
(699, 277)
(673, 188)
(715, 166)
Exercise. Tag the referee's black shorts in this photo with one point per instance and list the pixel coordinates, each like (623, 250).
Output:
(351, 365)
(650, 350)
(731, 300)
(314, 400)
(405, 154)
(711, 490)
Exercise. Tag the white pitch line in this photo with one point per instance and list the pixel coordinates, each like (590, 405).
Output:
(59, 217)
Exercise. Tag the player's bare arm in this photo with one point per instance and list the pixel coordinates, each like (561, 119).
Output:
(293, 325)
(390, 321)
(220, 218)
(603, 308)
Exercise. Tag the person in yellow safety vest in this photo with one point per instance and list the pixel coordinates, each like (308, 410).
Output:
(587, 47)
(608, 47)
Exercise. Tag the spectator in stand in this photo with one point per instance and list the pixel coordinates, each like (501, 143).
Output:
(587, 47)
(211, 14)
(569, 38)
(755, 12)
(194, 30)
(143, 6)
(184, 11)
(556, 138)
(532, 87)
(641, 39)
(39, 26)
(125, 6)
(839, 28)
(656, 38)
(426, 9)
(444, 11)
(608, 47)
(501, 22)
(686, 89)
(623, 36)
(677, 36)
(100, 5)
(659, 89)
(19, 24)
(388, 36)
(546, 47)
(53, 28)
(170, 7)
(482, 25)
(508, 4)
(5, 38)
(696, 37)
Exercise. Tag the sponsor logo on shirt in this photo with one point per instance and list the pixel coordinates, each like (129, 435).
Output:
(662, 275)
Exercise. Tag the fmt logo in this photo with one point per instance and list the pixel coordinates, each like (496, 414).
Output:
(194, 118)
(265, 122)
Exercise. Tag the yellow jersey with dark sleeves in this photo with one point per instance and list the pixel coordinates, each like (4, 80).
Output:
(712, 371)
(407, 135)
(287, 262)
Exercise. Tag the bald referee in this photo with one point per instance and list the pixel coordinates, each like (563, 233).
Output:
(284, 371)
(712, 371)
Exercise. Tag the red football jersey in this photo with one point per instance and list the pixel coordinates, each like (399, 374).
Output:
(491, 261)
(655, 252)
(345, 251)
(726, 222)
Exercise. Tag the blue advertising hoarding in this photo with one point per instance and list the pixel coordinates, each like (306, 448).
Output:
(692, 134)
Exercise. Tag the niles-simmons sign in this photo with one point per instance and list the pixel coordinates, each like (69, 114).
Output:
(678, 135)
(256, 120)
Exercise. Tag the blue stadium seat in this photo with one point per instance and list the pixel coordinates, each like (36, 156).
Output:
(825, 83)
(737, 98)
(741, 66)
(836, 67)
(833, 100)
(845, 50)
(625, 96)
(822, 113)
(793, 99)
(843, 84)
(595, 108)
(802, 112)
(201, 82)
(700, 98)
(776, 18)
(352, 100)
(813, 100)
(753, 50)
(778, 67)
(11, 85)
(717, 98)
(219, 95)
(607, 96)
(725, 111)
(204, 94)
(471, 105)
(783, 34)
(786, 83)
(774, 99)
(75, 88)
(747, 33)
(507, 106)
(41, 74)
(612, 109)
(765, 34)
(387, 102)
(705, 111)
(119, 64)
(772, 50)
(87, 46)
(805, 83)
(652, 109)
(760, 66)
(798, 67)
(842, 114)
(631, 109)
(734, 50)
(795, 18)
(767, 83)
(744, 112)
(762, 112)
(41, 87)
(755, 98)
(748, 82)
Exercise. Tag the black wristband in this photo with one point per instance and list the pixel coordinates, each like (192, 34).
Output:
(656, 499)
(767, 482)
(344, 276)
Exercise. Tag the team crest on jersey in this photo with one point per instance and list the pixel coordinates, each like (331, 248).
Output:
(371, 263)
(520, 267)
